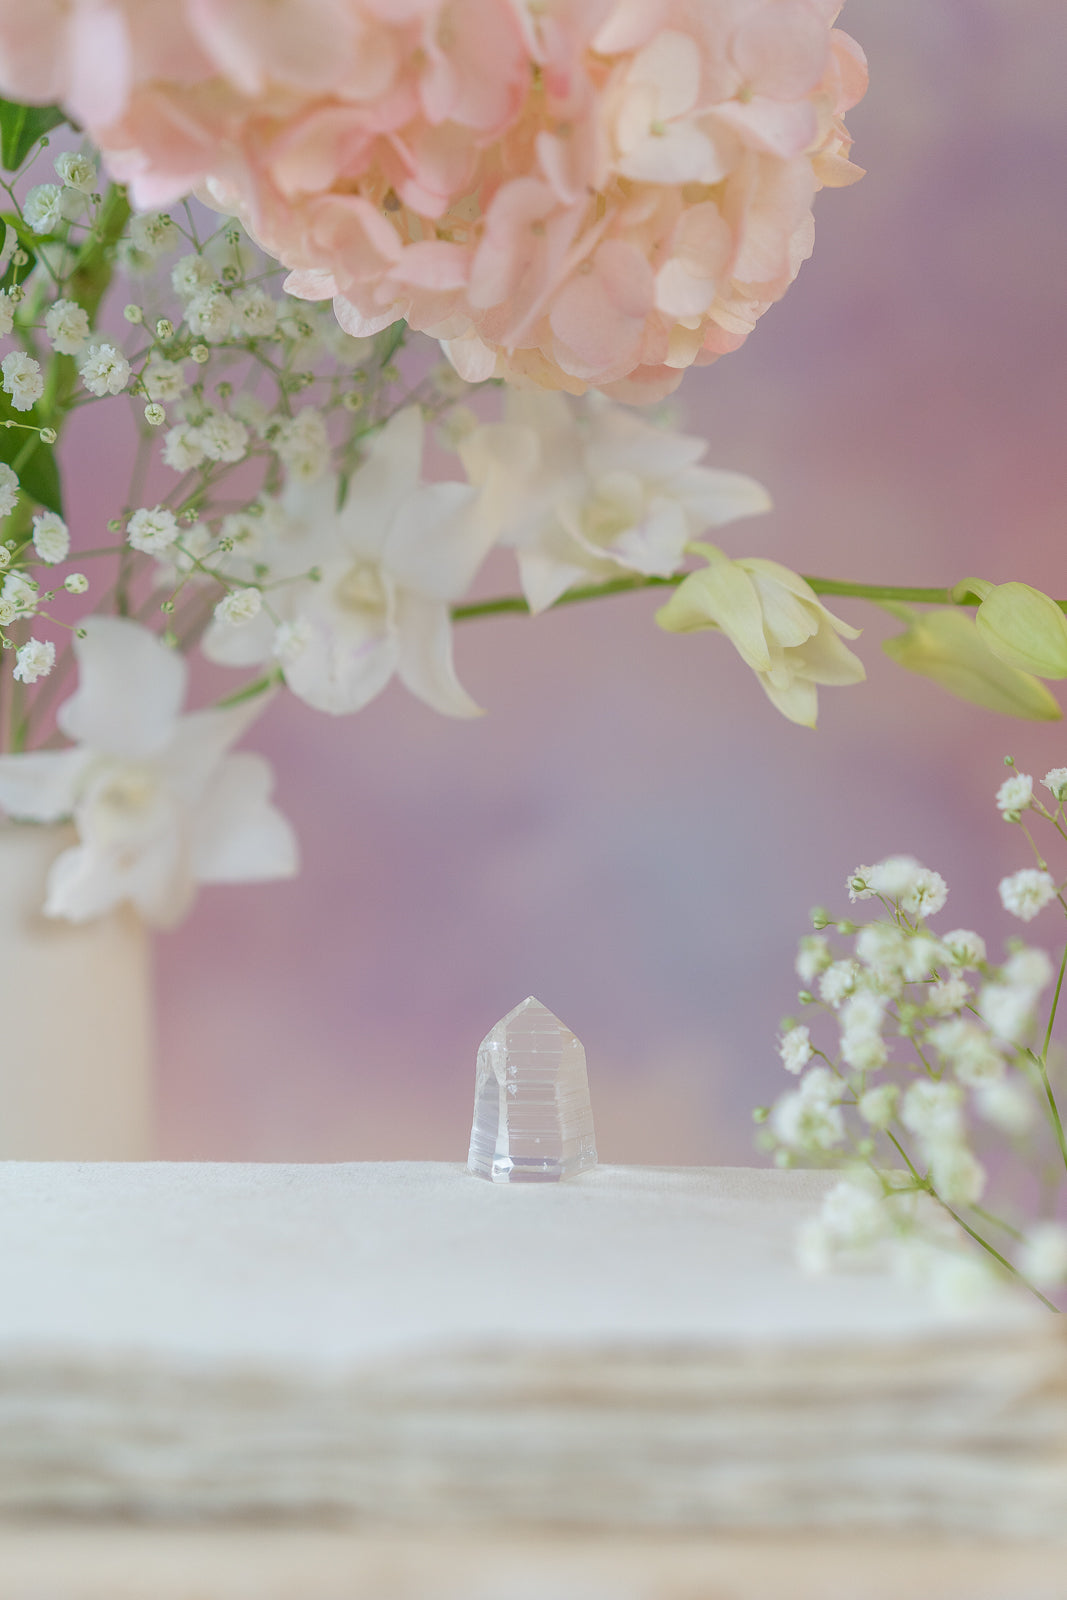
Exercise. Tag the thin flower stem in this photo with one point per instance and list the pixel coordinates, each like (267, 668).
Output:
(831, 586)
(985, 1244)
(1054, 1110)
(905, 1157)
(258, 686)
(1055, 1005)
(998, 1222)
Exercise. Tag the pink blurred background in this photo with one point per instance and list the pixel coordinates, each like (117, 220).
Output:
(632, 833)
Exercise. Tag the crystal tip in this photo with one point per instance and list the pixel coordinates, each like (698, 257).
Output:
(532, 1117)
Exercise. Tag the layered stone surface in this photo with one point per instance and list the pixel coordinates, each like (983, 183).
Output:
(533, 1122)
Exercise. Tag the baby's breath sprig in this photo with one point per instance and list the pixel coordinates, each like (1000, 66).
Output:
(937, 1087)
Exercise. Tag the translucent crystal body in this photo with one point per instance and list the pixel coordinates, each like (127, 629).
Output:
(532, 1119)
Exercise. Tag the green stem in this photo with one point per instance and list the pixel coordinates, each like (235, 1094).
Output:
(1054, 1110)
(1055, 1005)
(258, 686)
(879, 592)
(977, 1237)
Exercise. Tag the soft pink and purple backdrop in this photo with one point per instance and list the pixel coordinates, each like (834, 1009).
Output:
(632, 833)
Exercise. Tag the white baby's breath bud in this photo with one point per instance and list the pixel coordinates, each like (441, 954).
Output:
(76, 583)
(838, 982)
(823, 1085)
(191, 274)
(164, 329)
(133, 314)
(76, 171)
(105, 369)
(67, 326)
(209, 314)
(303, 445)
(255, 315)
(855, 1215)
(891, 878)
(966, 950)
(164, 380)
(960, 1282)
(51, 538)
(922, 953)
(926, 895)
(1006, 1104)
(807, 1123)
(200, 354)
(154, 414)
(182, 449)
(1030, 968)
(878, 1106)
(947, 996)
(957, 1174)
(42, 208)
(35, 659)
(291, 639)
(22, 379)
(223, 438)
(7, 313)
(152, 531)
(858, 884)
(1043, 1259)
(153, 233)
(864, 1051)
(794, 1047)
(1027, 892)
(813, 957)
(932, 1111)
(240, 607)
(1015, 793)
(1056, 782)
(970, 1051)
(9, 491)
(20, 592)
(1008, 1009)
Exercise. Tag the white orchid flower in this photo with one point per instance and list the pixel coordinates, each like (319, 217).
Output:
(588, 491)
(390, 563)
(158, 801)
(775, 621)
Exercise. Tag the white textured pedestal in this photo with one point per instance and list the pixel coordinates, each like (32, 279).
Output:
(383, 1347)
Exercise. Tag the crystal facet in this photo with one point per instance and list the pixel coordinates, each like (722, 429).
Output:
(532, 1119)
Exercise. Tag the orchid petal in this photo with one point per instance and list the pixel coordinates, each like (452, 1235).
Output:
(200, 743)
(437, 543)
(42, 785)
(237, 836)
(340, 675)
(130, 690)
(424, 662)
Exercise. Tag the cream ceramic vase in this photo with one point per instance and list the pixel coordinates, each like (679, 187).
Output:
(76, 1022)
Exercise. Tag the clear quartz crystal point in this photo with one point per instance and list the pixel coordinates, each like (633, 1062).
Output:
(532, 1119)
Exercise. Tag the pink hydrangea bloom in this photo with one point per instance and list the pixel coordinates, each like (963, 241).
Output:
(578, 193)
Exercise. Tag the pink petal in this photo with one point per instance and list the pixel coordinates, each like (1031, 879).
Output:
(781, 49)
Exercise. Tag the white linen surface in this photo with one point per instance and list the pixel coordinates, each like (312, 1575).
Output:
(325, 1267)
(403, 1343)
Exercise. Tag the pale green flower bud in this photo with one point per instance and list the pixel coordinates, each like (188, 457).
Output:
(946, 646)
(775, 621)
(1025, 628)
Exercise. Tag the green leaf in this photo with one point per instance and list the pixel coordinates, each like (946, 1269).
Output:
(35, 463)
(21, 127)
